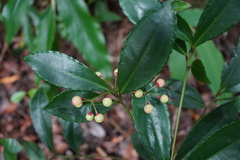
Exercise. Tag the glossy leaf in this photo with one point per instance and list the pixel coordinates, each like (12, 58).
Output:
(207, 126)
(140, 147)
(179, 5)
(230, 80)
(62, 107)
(218, 17)
(11, 145)
(191, 16)
(184, 32)
(180, 46)
(64, 71)
(224, 144)
(154, 128)
(13, 13)
(137, 9)
(41, 120)
(213, 61)
(18, 96)
(143, 51)
(33, 151)
(45, 31)
(81, 29)
(9, 155)
(72, 133)
(192, 99)
(199, 72)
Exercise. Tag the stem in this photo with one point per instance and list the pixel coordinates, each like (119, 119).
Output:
(125, 107)
(53, 4)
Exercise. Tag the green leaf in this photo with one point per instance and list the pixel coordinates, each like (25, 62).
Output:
(27, 32)
(180, 46)
(11, 145)
(154, 128)
(199, 72)
(224, 144)
(61, 106)
(9, 155)
(192, 99)
(81, 29)
(213, 61)
(64, 71)
(31, 92)
(137, 9)
(207, 126)
(72, 133)
(184, 32)
(13, 13)
(218, 17)
(230, 80)
(45, 31)
(41, 120)
(191, 16)
(179, 5)
(140, 147)
(143, 51)
(33, 151)
(17, 96)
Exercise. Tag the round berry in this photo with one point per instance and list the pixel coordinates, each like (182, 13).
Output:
(89, 116)
(164, 98)
(148, 108)
(160, 82)
(99, 74)
(139, 93)
(99, 118)
(115, 72)
(107, 102)
(77, 101)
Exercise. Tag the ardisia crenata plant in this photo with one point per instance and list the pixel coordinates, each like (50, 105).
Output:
(159, 29)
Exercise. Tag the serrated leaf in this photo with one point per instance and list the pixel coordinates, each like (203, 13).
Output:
(17, 96)
(154, 128)
(33, 151)
(81, 29)
(224, 144)
(137, 9)
(72, 133)
(64, 71)
(179, 5)
(207, 126)
(143, 51)
(218, 16)
(230, 79)
(192, 99)
(199, 72)
(62, 107)
(11, 145)
(41, 120)
(184, 32)
(140, 147)
(180, 46)
(213, 61)
(13, 13)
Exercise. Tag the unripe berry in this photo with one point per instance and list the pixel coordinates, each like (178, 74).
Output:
(99, 74)
(107, 102)
(99, 118)
(115, 72)
(160, 83)
(139, 93)
(89, 116)
(148, 108)
(77, 101)
(164, 98)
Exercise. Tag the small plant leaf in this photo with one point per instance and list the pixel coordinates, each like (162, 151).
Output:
(17, 96)
(62, 107)
(230, 80)
(13, 13)
(179, 5)
(191, 16)
(11, 145)
(218, 16)
(64, 71)
(184, 32)
(33, 151)
(180, 46)
(143, 51)
(72, 133)
(140, 147)
(137, 9)
(154, 128)
(41, 120)
(9, 155)
(80, 28)
(199, 72)
(207, 126)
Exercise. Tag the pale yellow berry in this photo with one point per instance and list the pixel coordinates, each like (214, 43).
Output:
(107, 102)
(77, 101)
(89, 116)
(148, 108)
(99, 74)
(139, 93)
(99, 118)
(164, 98)
(115, 72)
(160, 82)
